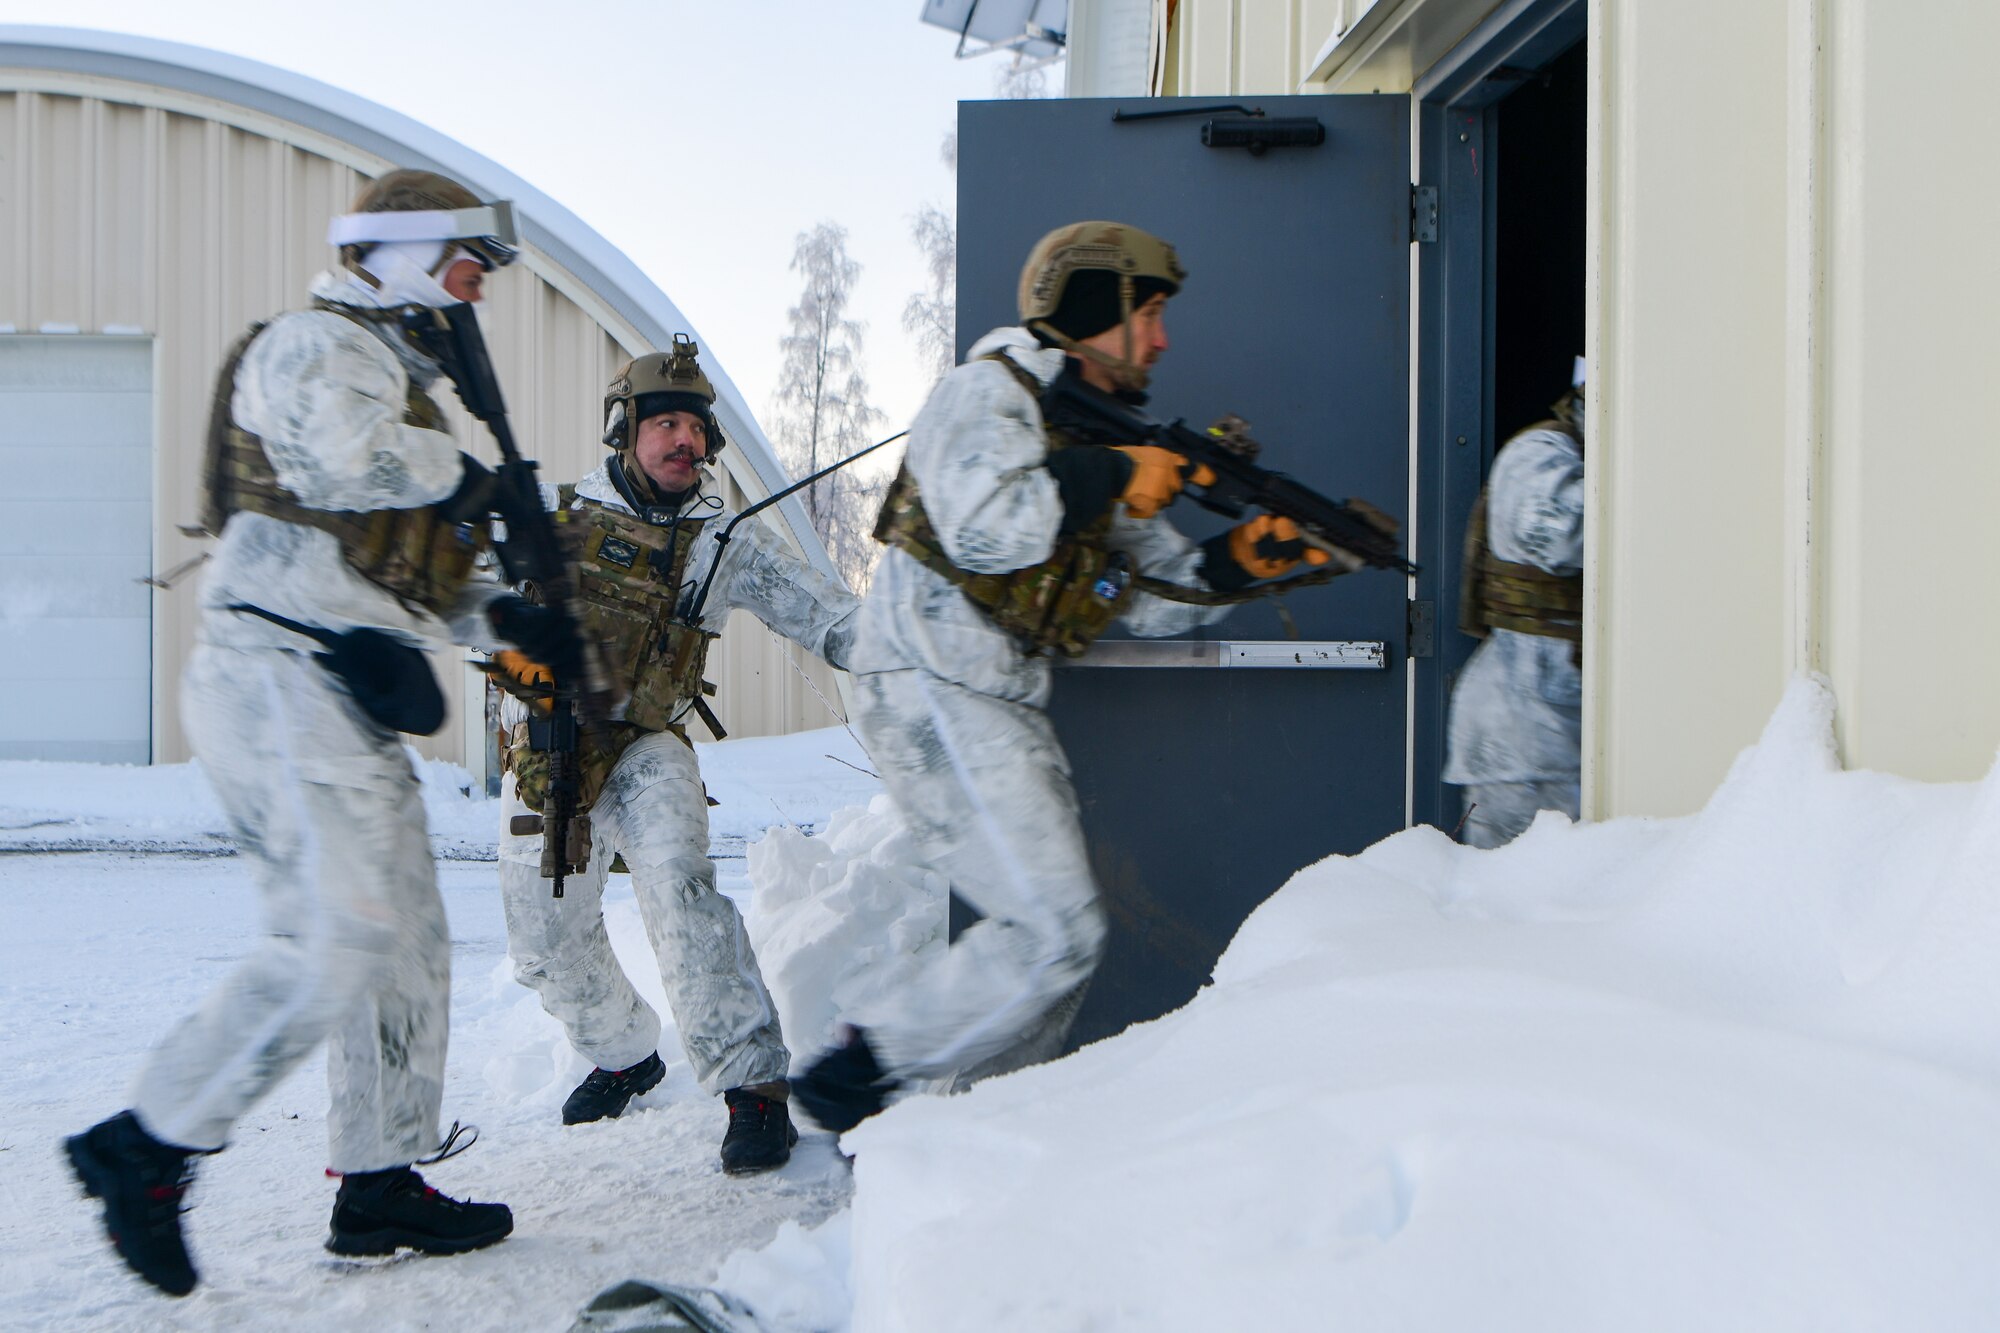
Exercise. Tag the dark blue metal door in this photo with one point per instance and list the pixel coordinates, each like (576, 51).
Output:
(1208, 778)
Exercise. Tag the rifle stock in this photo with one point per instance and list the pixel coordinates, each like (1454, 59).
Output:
(1238, 485)
(530, 553)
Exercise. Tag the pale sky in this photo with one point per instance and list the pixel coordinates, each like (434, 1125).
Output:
(699, 138)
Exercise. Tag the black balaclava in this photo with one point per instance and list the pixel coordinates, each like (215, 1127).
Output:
(1090, 303)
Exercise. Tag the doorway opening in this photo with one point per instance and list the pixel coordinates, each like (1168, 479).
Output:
(1502, 171)
(1538, 166)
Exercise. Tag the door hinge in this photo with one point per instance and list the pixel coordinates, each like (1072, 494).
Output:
(1422, 629)
(1423, 214)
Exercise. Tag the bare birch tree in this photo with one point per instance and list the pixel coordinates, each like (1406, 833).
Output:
(1022, 78)
(931, 316)
(823, 413)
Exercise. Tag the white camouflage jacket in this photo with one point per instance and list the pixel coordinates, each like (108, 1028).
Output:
(976, 451)
(1516, 711)
(327, 395)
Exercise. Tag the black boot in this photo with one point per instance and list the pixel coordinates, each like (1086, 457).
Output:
(845, 1085)
(142, 1182)
(760, 1136)
(378, 1212)
(604, 1092)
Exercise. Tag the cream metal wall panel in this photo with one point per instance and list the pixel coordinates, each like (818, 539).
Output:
(1690, 633)
(118, 213)
(123, 223)
(1205, 48)
(1383, 46)
(14, 138)
(1275, 47)
(60, 207)
(1265, 59)
(1913, 474)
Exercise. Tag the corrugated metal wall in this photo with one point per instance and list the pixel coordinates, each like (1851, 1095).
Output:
(118, 214)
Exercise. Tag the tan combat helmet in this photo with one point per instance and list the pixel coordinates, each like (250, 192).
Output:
(660, 382)
(411, 205)
(1126, 252)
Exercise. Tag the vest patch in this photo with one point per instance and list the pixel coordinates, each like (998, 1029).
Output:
(612, 551)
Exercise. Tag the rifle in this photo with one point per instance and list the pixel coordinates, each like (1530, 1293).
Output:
(1237, 483)
(531, 553)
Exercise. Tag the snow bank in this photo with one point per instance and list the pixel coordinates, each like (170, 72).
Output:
(170, 808)
(1734, 1071)
(840, 918)
(796, 781)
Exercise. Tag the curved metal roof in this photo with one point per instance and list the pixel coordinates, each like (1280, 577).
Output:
(390, 136)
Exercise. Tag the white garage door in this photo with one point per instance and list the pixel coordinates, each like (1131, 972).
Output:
(76, 535)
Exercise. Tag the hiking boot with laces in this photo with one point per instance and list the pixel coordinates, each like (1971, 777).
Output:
(143, 1183)
(760, 1136)
(604, 1093)
(845, 1085)
(379, 1212)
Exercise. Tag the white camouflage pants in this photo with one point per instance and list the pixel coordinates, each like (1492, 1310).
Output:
(1502, 811)
(323, 804)
(985, 789)
(654, 812)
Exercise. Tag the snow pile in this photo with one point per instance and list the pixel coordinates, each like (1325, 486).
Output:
(68, 807)
(797, 781)
(840, 918)
(72, 807)
(1736, 1071)
(800, 1278)
(794, 781)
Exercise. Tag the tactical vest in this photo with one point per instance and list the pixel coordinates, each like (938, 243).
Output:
(629, 578)
(421, 556)
(630, 574)
(1062, 604)
(1504, 594)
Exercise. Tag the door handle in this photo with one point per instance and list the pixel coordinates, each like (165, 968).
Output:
(1259, 654)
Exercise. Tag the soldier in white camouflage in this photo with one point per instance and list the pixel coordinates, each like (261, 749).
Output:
(347, 519)
(1009, 543)
(1516, 729)
(644, 531)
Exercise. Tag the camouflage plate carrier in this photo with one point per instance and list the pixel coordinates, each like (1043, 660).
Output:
(1060, 605)
(422, 556)
(629, 576)
(1503, 594)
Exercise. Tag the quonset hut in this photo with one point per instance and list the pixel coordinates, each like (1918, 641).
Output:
(155, 199)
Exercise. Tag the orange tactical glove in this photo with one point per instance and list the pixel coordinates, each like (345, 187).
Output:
(1270, 545)
(524, 678)
(1157, 477)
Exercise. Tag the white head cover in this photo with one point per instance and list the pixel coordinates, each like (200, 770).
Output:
(403, 273)
(492, 223)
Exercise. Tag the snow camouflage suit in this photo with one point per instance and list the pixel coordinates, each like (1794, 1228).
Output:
(319, 797)
(654, 812)
(1516, 730)
(950, 709)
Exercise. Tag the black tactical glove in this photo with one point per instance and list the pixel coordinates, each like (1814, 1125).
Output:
(1088, 480)
(474, 497)
(536, 631)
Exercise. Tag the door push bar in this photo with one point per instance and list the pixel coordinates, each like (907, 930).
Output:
(1277, 654)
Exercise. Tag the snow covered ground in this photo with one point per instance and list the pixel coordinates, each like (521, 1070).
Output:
(1734, 1071)
(102, 950)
